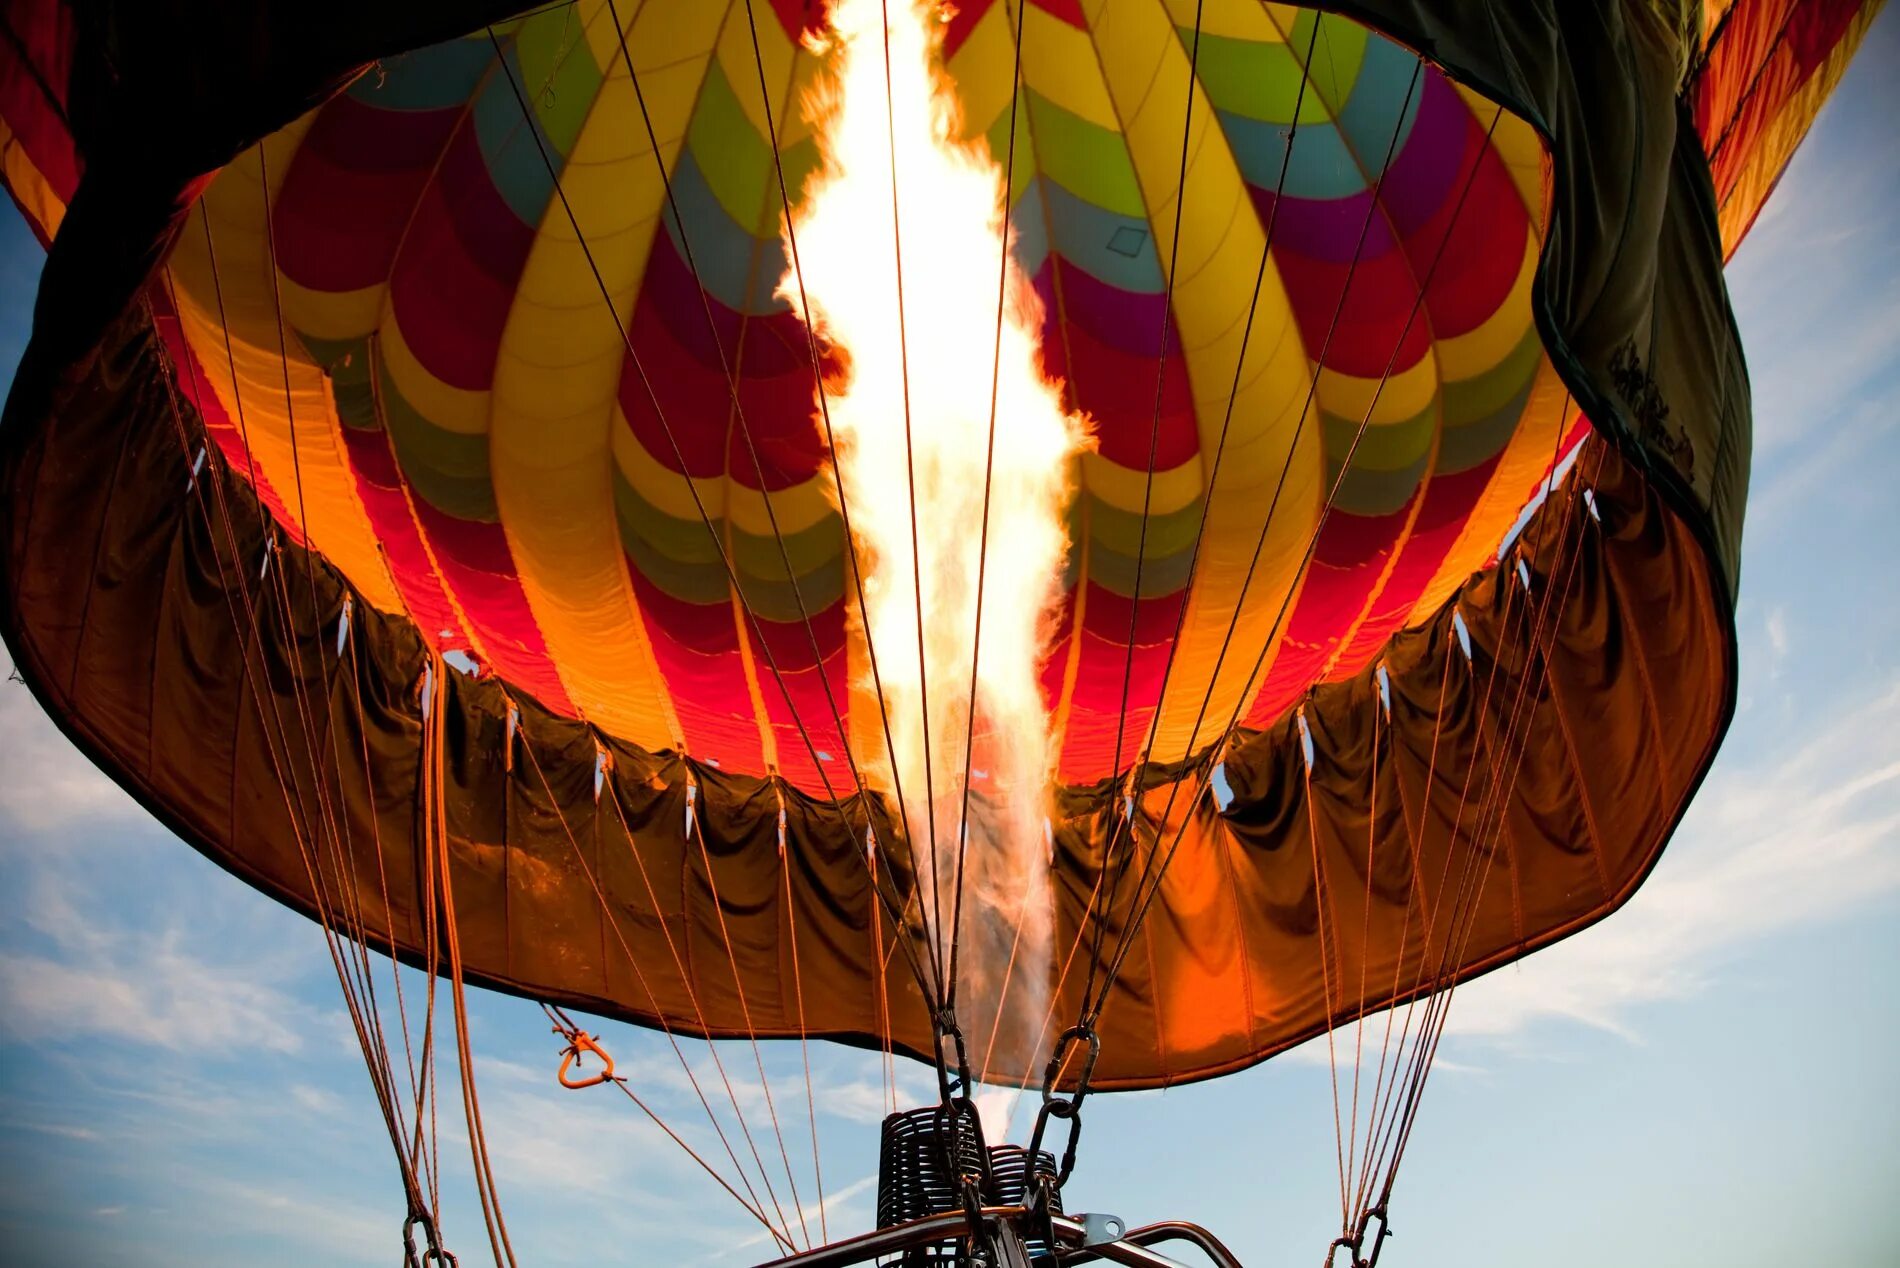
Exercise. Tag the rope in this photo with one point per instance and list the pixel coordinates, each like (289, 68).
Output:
(567, 1027)
(1161, 375)
(1566, 569)
(804, 1045)
(719, 546)
(435, 814)
(1383, 1106)
(374, 1054)
(1267, 644)
(613, 923)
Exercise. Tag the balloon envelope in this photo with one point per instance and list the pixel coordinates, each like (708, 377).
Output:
(380, 317)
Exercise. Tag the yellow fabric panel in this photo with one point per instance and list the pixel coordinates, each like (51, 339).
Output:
(463, 411)
(311, 454)
(662, 487)
(1232, 19)
(1145, 71)
(1524, 460)
(30, 189)
(981, 69)
(781, 59)
(554, 413)
(333, 314)
(1515, 142)
(1124, 489)
(1061, 64)
(1402, 395)
(796, 508)
(1472, 353)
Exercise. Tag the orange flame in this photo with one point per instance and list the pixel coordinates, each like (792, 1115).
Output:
(912, 426)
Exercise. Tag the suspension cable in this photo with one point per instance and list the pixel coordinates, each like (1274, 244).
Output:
(614, 925)
(382, 1083)
(1220, 448)
(1267, 644)
(719, 546)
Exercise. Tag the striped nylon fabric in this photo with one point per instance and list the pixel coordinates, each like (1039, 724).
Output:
(464, 431)
(1766, 69)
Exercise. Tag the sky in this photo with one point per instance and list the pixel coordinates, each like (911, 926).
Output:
(1703, 1078)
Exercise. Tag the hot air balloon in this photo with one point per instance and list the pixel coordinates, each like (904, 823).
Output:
(444, 488)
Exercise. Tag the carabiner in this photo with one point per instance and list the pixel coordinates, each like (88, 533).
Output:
(1053, 1072)
(578, 1042)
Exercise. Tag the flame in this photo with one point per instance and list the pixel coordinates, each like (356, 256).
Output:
(914, 412)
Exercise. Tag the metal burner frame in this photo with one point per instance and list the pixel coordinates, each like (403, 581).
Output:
(996, 1238)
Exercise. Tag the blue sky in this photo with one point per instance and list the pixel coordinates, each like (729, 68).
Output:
(1705, 1078)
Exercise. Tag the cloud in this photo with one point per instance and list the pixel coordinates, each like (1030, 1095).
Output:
(1777, 628)
(91, 974)
(343, 1233)
(146, 992)
(48, 784)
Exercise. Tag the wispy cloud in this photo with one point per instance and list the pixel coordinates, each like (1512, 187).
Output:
(156, 995)
(91, 974)
(48, 783)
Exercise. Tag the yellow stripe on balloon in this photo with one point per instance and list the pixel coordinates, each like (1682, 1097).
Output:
(1399, 396)
(1517, 145)
(461, 410)
(982, 69)
(1128, 489)
(1145, 72)
(28, 186)
(1777, 142)
(1468, 355)
(1060, 63)
(294, 436)
(795, 508)
(555, 416)
(333, 314)
(1524, 461)
(781, 58)
(1230, 19)
(658, 484)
